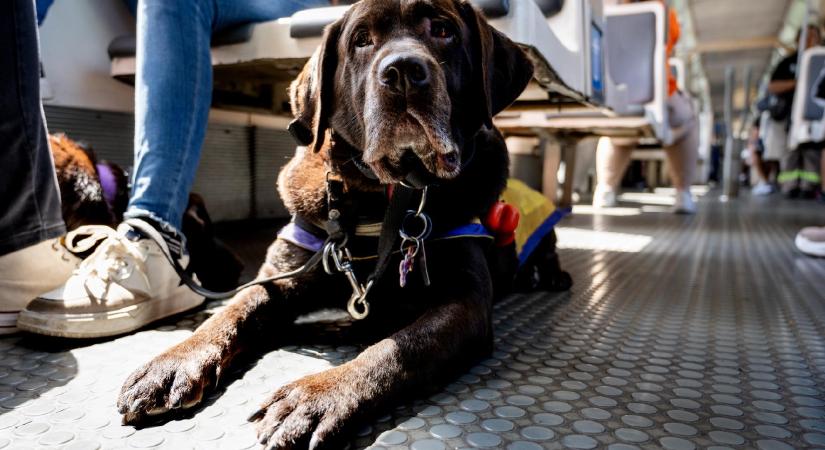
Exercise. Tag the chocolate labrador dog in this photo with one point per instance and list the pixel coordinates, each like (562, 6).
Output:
(398, 86)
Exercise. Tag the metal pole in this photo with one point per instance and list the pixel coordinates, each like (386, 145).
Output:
(746, 110)
(728, 177)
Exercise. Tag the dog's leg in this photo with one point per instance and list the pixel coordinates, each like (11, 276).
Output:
(315, 411)
(179, 377)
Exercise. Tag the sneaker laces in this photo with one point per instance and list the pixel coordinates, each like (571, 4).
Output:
(113, 260)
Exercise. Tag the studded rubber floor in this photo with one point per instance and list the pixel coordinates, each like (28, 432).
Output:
(680, 333)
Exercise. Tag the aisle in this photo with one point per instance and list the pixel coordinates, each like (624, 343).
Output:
(681, 332)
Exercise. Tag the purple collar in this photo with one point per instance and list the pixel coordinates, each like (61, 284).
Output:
(302, 238)
(109, 184)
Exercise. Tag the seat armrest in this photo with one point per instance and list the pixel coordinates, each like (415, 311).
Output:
(311, 23)
(493, 8)
(550, 7)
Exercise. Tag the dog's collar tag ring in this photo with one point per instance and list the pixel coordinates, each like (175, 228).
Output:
(412, 242)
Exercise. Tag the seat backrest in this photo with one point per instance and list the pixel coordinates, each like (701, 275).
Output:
(630, 44)
(310, 23)
(807, 113)
(813, 109)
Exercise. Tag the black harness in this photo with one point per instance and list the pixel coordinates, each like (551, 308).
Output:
(334, 254)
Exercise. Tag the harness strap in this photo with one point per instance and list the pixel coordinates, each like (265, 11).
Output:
(400, 201)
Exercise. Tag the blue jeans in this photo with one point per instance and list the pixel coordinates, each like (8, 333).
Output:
(29, 197)
(173, 93)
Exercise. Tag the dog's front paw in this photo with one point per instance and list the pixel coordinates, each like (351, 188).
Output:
(177, 379)
(308, 413)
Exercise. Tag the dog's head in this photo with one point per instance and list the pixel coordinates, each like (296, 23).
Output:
(407, 82)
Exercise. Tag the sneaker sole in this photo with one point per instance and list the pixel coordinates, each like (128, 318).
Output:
(110, 323)
(8, 323)
(810, 248)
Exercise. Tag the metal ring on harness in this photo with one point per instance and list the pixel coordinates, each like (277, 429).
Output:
(332, 251)
(427, 227)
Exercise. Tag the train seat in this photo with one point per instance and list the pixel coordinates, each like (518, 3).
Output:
(636, 77)
(808, 114)
(251, 72)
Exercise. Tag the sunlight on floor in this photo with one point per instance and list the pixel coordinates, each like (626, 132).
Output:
(617, 212)
(660, 196)
(579, 239)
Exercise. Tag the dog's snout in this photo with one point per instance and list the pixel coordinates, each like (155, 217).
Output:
(404, 74)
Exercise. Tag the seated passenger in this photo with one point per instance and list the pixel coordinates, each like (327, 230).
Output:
(173, 92)
(613, 155)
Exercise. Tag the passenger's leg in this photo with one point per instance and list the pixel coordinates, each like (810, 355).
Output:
(612, 159)
(763, 185)
(683, 153)
(30, 216)
(29, 197)
(174, 92)
(172, 99)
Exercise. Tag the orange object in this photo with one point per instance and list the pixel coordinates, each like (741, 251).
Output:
(673, 32)
(502, 220)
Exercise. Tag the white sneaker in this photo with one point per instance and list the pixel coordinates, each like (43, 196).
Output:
(29, 272)
(604, 197)
(811, 241)
(762, 189)
(684, 203)
(128, 282)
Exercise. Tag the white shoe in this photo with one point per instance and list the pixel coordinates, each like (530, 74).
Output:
(29, 272)
(128, 282)
(604, 197)
(811, 241)
(684, 203)
(762, 189)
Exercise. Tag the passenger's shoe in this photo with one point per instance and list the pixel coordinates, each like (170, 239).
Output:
(128, 282)
(604, 197)
(811, 241)
(684, 203)
(29, 272)
(762, 189)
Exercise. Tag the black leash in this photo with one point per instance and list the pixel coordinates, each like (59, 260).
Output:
(335, 241)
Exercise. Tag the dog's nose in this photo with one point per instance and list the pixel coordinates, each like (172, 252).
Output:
(404, 74)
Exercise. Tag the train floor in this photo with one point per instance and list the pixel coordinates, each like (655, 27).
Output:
(680, 333)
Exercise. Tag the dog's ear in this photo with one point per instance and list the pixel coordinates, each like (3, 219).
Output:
(311, 94)
(501, 69)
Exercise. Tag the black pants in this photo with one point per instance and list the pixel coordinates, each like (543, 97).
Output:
(29, 196)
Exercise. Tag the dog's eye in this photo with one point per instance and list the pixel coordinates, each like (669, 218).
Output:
(441, 29)
(363, 39)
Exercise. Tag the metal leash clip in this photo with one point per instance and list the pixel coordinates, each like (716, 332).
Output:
(339, 255)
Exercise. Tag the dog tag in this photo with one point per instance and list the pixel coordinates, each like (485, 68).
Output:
(407, 264)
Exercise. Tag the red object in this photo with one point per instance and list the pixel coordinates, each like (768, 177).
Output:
(502, 220)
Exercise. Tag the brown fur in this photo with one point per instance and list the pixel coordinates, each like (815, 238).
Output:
(421, 331)
(83, 203)
(81, 194)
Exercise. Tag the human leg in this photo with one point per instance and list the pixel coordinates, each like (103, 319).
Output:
(612, 159)
(32, 261)
(174, 91)
(172, 100)
(684, 151)
(29, 198)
